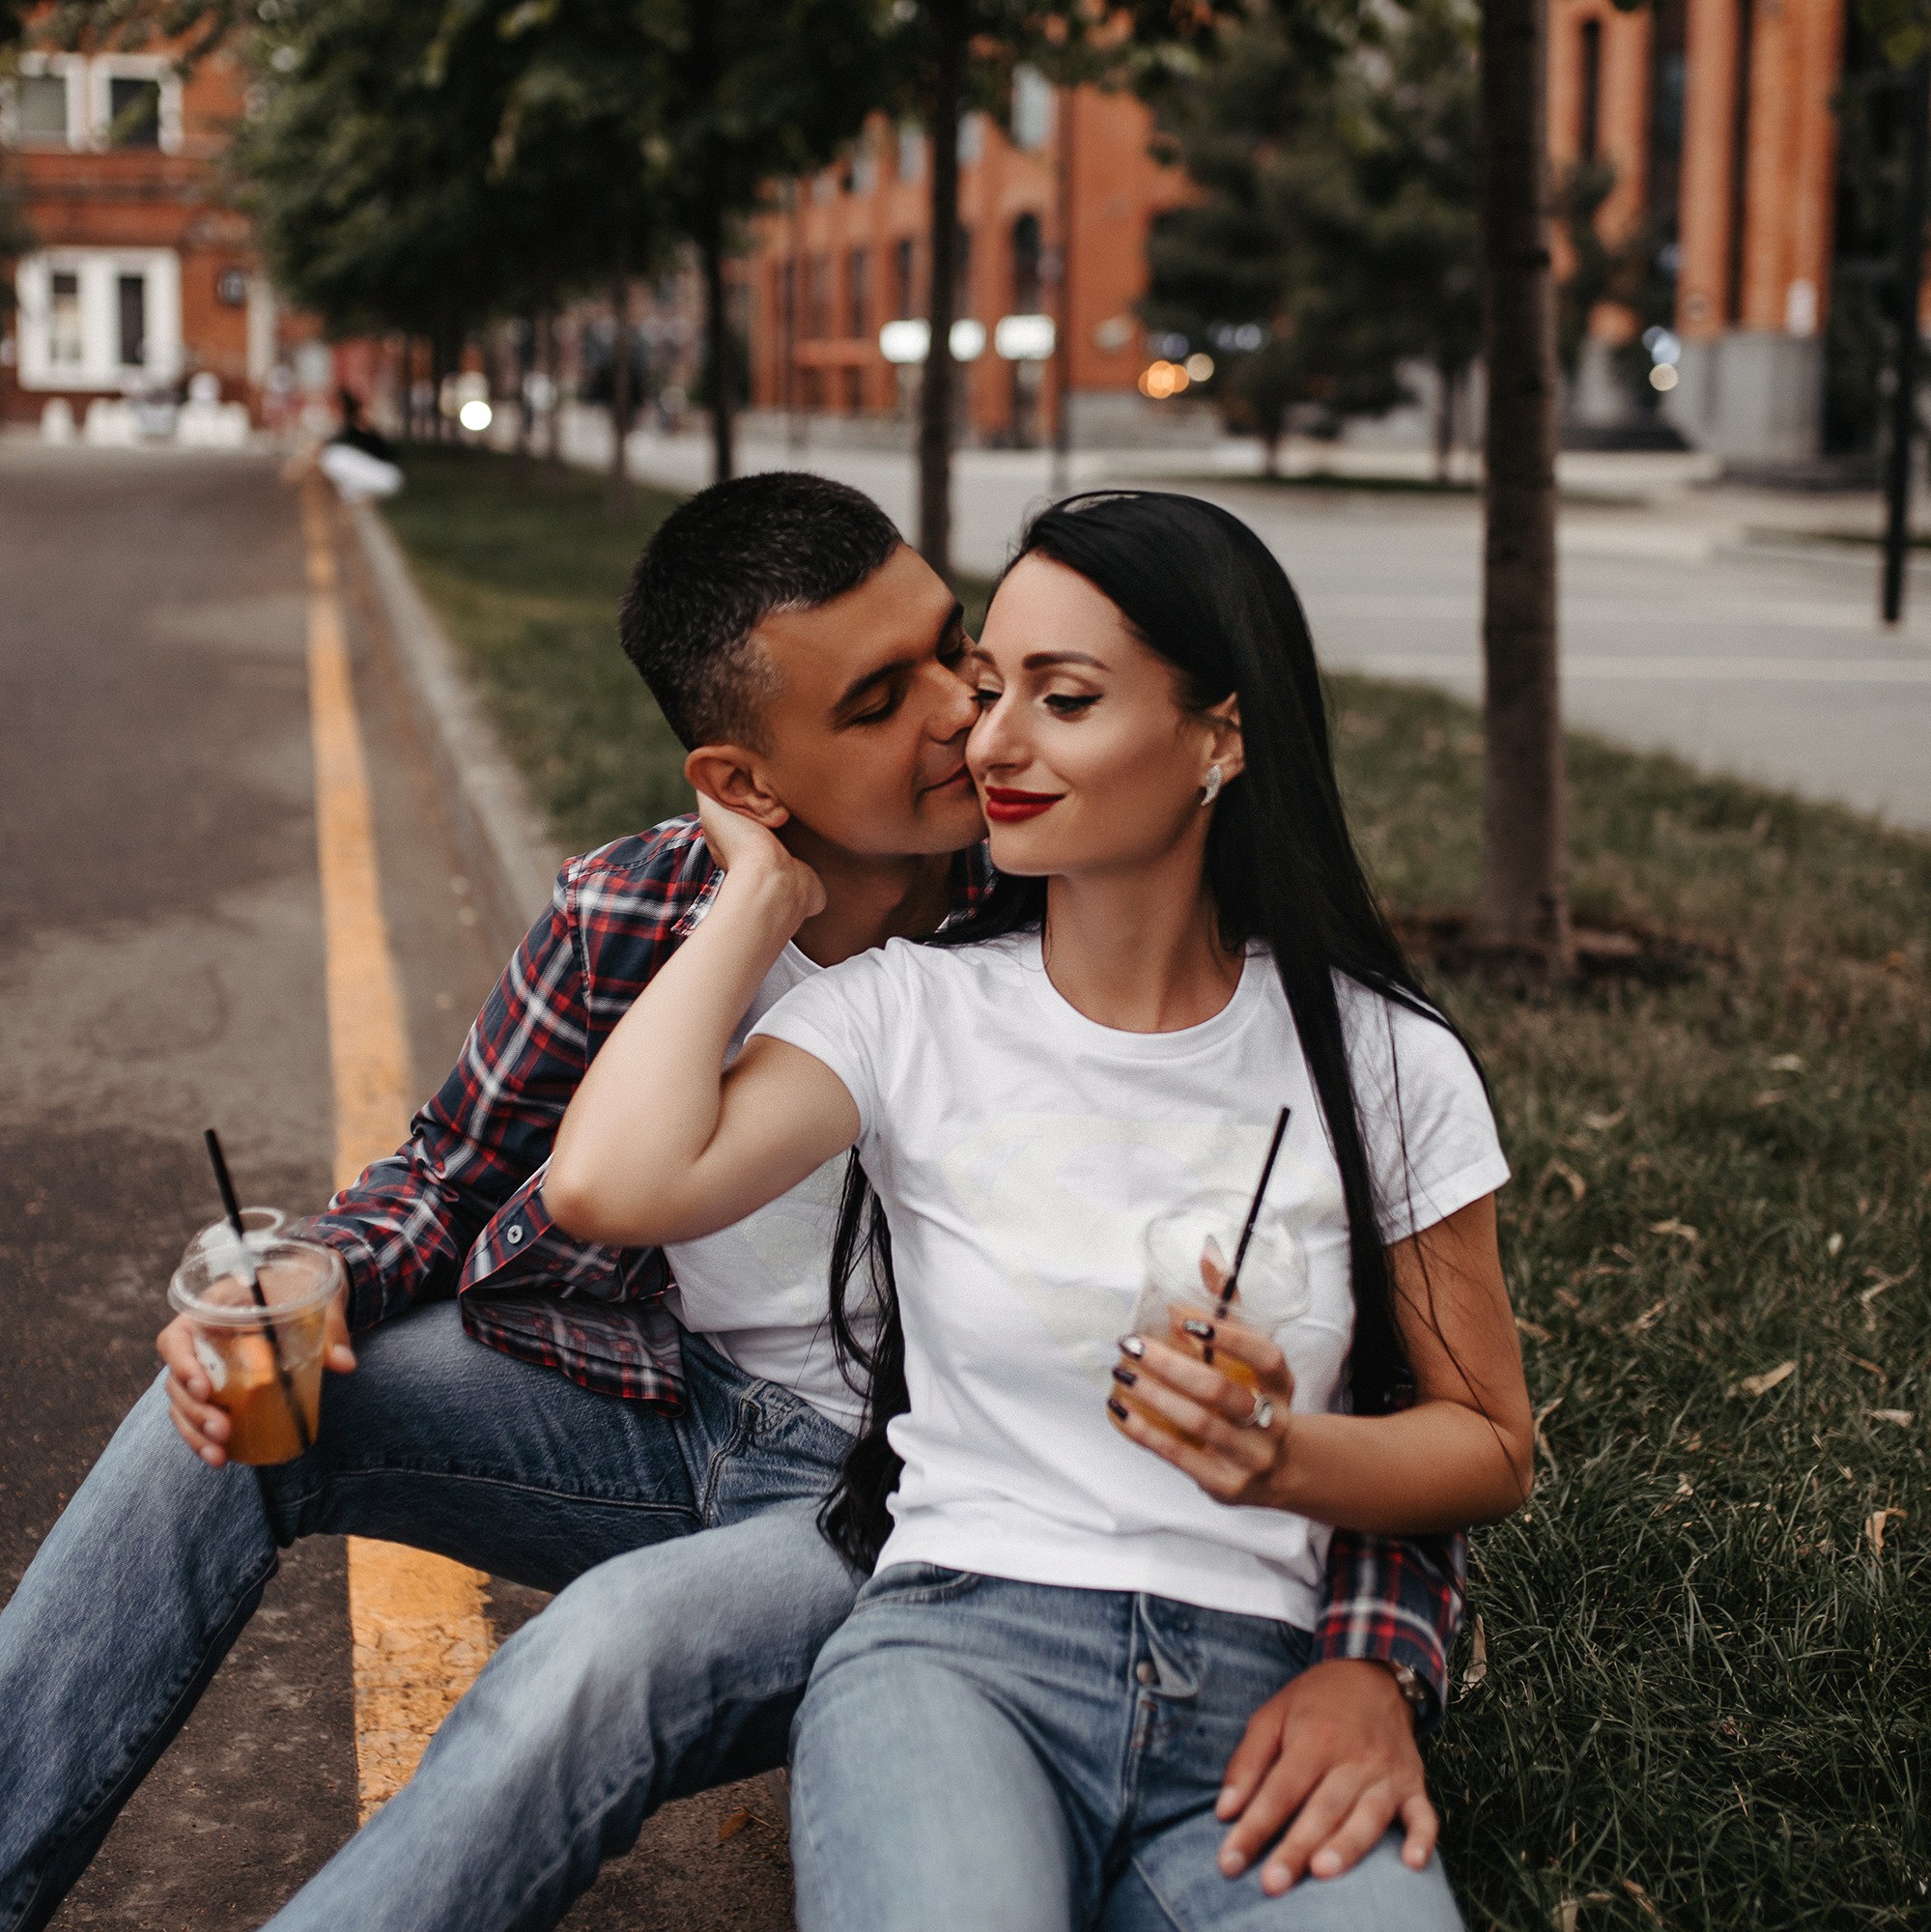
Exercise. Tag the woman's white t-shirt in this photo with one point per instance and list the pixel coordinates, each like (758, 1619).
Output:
(1020, 1150)
(759, 1290)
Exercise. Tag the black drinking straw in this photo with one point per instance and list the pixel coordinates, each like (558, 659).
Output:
(232, 1208)
(1232, 1280)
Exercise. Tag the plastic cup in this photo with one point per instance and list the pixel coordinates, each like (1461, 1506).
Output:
(263, 1363)
(1189, 1255)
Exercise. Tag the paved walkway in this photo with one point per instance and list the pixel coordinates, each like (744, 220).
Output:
(1712, 622)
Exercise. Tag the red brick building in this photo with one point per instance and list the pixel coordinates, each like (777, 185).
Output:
(1724, 122)
(846, 252)
(139, 277)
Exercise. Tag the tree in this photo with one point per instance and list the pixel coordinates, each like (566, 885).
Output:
(1334, 240)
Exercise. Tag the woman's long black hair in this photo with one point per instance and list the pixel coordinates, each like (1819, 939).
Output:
(1200, 588)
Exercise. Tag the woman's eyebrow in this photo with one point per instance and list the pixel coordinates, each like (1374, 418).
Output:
(1047, 660)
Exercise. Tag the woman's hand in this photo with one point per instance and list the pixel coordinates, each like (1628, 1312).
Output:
(746, 849)
(1234, 1441)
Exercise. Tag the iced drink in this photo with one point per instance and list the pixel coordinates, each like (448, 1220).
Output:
(263, 1363)
(1191, 1252)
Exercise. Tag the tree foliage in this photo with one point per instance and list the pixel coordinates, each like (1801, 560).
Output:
(1335, 236)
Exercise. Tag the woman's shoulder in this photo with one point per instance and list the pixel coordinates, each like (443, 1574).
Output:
(917, 972)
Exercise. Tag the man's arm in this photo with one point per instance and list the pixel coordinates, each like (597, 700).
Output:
(1330, 1760)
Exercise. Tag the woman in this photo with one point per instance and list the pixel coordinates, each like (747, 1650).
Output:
(1024, 1721)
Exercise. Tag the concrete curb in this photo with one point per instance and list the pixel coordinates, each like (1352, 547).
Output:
(497, 828)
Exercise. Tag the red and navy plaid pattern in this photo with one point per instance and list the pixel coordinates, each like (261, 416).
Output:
(459, 1211)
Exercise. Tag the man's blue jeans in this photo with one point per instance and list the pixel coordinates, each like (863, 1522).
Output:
(992, 1756)
(672, 1668)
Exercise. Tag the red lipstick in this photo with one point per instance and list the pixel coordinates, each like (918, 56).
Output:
(1004, 807)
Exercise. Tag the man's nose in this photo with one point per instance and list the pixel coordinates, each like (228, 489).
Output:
(955, 709)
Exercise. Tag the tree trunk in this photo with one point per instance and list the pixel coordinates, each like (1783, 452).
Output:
(717, 338)
(438, 373)
(522, 361)
(1524, 900)
(616, 484)
(548, 361)
(935, 393)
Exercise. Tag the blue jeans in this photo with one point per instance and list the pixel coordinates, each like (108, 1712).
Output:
(671, 1668)
(978, 1753)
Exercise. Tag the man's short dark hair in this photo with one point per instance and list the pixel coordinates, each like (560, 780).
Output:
(718, 567)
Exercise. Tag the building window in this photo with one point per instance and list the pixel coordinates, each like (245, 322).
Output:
(904, 283)
(971, 137)
(134, 113)
(1032, 109)
(1026, 265)
(1590, 143)
(962, 280)
(131, 309)
(911, 152)
(818, 300)
(66, 346)
(858, 293)
(40, 110)
(865, 165)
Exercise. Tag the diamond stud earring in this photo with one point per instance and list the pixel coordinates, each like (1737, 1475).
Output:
(1211, 789)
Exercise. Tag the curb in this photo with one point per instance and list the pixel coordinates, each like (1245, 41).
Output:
(498, 829)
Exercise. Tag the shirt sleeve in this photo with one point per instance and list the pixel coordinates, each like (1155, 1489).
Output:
(842, 1016)
(1426, 1121)
(1395, 1601)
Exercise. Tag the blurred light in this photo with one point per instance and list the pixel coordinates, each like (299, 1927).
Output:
(1198, 366)
(1249, 336)
(905, 341)
(1161, 380)
(1173, 347)
(474, 416)
(1662, 346)
(967, 339)
(1114, 333)
(1023, 338)
(1662, 377)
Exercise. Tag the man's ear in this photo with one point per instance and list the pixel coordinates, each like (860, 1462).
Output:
(733, 777)
(1229, 751)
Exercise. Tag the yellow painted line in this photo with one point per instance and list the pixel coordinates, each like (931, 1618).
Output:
(419, 1633)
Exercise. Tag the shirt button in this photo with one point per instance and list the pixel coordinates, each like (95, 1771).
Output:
(514, 1235)
(1146, 1675)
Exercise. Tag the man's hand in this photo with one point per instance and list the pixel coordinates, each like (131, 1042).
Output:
(1334, 1751)
(203, 1426)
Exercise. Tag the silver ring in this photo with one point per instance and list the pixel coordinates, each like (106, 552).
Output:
(1263, 1416)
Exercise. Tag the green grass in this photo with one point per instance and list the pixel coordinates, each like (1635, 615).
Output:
(1706, 1700)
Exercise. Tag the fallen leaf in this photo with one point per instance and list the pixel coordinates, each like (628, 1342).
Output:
(1478, 1658)
(1763, 1385)
(1895, 960)
(1768, 1098)
(1881, 1282)
(1875, 1527)
(1542, 1415)
(1685, 1487)
(1786, 1063)
(1568, 1176)
(1563, 1918)
(1647, 1318)
(1869, 1368)
(1679, 1230)
(1903, 1417)
(1601, 1123)
(731, 1827)
(1835, 1246)
(1642, 1898)
(1534, 1330)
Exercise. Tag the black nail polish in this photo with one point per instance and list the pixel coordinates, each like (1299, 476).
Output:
(1124, 1376)
(1201, 1331)
(1118, 1409)
(1131, 1345)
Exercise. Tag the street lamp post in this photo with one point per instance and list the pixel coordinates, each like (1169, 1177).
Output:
(1904, 392)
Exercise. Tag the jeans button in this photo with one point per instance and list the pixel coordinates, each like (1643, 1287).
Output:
(1145, 1673)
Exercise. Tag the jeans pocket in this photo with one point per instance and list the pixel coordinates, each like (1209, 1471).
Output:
(917, 1583)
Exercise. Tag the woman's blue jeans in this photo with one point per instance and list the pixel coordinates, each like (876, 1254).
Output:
(699, 1590)
(993, 1756)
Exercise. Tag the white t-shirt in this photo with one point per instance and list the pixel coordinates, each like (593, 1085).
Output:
(759, 1291)
(1020, 1150)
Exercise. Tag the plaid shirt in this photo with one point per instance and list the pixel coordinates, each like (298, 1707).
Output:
(460, 1208)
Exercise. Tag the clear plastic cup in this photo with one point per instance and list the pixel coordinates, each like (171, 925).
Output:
(1190, 1251)
(263, 1362)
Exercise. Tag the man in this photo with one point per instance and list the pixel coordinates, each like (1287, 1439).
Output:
(650, 1438)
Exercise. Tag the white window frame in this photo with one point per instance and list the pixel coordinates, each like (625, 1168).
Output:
(106, 68)
(99, 368)
(73, 70)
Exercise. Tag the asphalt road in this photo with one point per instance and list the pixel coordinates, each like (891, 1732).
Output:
(162, 969)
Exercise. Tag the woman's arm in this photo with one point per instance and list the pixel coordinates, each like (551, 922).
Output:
(1464, 1453)
(660, 1143)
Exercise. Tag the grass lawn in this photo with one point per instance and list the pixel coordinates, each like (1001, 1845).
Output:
(1702, 1690)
